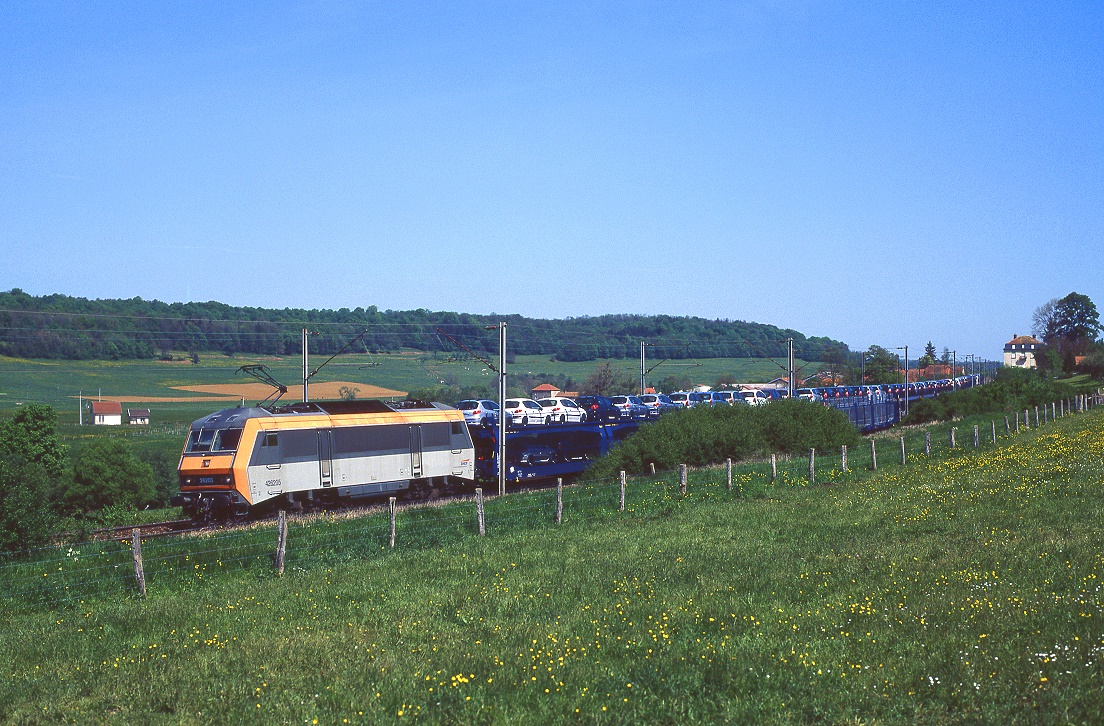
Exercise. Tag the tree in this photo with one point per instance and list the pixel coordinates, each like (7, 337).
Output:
(26, 514)
(31, 460)
(670, 384)
(607, 380)
(105, 473)
(945, 356)
(929, 351)
(725, 380)
(1068, 329)
(882, 366)
(1044, 321)
(1076, 318)
(348, 393)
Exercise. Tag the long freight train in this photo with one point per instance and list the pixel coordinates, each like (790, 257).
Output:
(239, 460)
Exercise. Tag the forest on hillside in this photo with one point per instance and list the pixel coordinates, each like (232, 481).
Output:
(60, 326)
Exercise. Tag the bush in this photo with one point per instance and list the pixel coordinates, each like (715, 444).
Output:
(711, 434)
(31, 459)
(105, 473)
(26, 513)
(1013, 389)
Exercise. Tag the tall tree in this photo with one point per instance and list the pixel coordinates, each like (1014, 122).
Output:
(1068, 328)
(1076, 318)
(607, 380)
(882, 366)
(1044, 321)
(929, 350)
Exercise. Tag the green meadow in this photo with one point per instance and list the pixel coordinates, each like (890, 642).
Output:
(964, 587)
(58, 383)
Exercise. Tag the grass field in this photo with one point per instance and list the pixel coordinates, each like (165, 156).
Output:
(964, 588)
(58, 382)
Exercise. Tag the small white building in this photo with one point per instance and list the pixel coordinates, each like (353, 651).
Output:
(138, 416)
(1020, 351)
(107, 413)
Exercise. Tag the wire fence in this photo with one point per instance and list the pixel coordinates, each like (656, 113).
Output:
(65, 575)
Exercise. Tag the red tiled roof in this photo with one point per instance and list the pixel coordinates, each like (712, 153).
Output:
(546, 387)
(107, 407)
(1024, 340)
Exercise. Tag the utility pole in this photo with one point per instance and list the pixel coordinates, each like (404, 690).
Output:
(906, 380)
(642, 386)
(306, 375)
(502, 409)
(790, 368)
(80, 408)
(954, 369)
(905, 348)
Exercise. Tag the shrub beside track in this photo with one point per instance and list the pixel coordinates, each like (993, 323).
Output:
(710, 434)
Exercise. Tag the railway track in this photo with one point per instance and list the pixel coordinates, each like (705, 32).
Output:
(150, 529)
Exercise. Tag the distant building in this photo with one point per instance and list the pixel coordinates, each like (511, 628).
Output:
(107, 413)
(138, 416)
(545, 390)
(1020, 351)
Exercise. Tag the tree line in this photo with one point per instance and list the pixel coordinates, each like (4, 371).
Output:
(75, 328)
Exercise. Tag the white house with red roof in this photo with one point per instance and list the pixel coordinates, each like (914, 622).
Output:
(1020, 351)
(545, 390)
(107, 413)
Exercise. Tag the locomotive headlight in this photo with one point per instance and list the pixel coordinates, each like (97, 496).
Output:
(227, 480)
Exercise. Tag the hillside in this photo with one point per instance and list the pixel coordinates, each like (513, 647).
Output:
(964, 588)
(59, 326)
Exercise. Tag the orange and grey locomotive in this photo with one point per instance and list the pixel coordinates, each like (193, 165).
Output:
(318, 453)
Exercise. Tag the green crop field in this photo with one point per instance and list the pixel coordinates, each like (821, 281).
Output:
(965, 587)
(58, 383)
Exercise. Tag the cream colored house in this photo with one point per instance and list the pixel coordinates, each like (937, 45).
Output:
(1020, 351)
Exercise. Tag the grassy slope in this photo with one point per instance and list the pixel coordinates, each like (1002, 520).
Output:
(967, 589)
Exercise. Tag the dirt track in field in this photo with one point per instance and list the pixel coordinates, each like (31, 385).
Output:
(226, 392)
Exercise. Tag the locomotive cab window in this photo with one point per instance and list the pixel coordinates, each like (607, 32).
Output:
(200, 440)
(270, 439)
(227, 440)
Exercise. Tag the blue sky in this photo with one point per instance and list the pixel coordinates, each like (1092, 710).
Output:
(878, 172)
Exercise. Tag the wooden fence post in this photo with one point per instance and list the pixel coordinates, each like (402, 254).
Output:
(843, 457)
(774, 468)
(682, 478)
(136, 552)
(1053, 410)
(1036, 417)
(954, 443)
(391, 506)
(1007, 427)
(994, 425)
(728, 469)
(479, 511)
(1027, 420)
(1062, 408)
(281, 541)
(812, 467)
(653, 467)
(621, 501)
(559, 500)
(977, 441)
(1017, 422)
(873, 456)
(927, 443)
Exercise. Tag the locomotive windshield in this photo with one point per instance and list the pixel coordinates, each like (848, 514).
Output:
(213, 440)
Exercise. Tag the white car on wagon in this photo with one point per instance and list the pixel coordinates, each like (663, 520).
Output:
(562, 410)
(523, 412)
